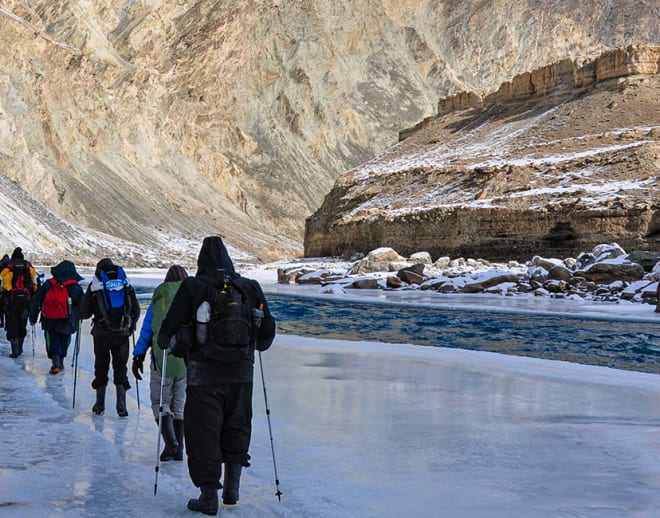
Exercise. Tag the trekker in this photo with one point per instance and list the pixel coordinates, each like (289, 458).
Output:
(57, 301)
(111, 300)
(218, 411)
(174, 385)
(19, 282)
(3, 264)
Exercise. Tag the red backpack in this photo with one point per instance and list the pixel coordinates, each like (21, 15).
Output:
(57, 300)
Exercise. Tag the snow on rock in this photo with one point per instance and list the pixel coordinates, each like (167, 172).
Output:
(603, 274)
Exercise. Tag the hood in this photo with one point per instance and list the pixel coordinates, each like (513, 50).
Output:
(107, 266)
(213, 256)
(176, 273)
(17, 254)
(64, 271)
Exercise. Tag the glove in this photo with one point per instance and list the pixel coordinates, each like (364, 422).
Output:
(138, 366)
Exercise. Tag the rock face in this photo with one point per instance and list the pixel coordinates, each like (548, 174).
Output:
(144, 121)
(552, 163)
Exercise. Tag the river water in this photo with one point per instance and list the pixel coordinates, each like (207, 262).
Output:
(618, 344)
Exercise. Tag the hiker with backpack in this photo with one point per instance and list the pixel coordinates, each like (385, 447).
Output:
(174, 383)
(57, 300)
(19, 282)
(211, 323)
(110, 300)
(3, 264)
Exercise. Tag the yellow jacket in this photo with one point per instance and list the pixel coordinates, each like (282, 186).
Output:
(7, 276)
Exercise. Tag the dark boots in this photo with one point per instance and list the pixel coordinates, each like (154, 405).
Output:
(99, 406)
(121, 401)
(178, 430)
(207, 503)
(20, 345)
(230, 483)
(169, 436)
(14, 348)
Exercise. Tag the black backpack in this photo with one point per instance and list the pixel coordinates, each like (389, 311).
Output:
(21, 283)
(228, 336)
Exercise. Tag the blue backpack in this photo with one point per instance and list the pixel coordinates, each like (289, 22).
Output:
(116, 307)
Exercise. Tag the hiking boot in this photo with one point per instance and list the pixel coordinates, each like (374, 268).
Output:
(207, 503)
(121, 401)
(14, 348)
(99, 406)
(178, 430)
(169, 436)
(230, 483)
(20, 345)
(55, 369)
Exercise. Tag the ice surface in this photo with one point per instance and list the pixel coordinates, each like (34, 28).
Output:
(360, 430)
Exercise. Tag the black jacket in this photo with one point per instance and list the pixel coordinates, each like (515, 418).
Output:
(213, 265)
(93, 306)
(63, 271)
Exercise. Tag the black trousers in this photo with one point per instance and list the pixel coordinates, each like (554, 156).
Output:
(105, 348)
(217, 425)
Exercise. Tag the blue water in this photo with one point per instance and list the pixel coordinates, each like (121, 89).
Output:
(622, 345)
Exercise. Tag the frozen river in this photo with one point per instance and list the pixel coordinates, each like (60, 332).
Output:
(361, 429)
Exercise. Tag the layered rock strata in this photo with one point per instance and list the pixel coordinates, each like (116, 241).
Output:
(552, 163)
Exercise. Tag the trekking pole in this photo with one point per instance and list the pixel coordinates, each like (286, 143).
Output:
(76, 353)
(32, 333)
(137, 381)
(160, 420)
(278, 493)
(76, 346)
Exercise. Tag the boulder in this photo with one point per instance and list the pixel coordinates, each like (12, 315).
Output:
(606, 273)
(603, 252)
(441, 263)
(647, 259)
(560, 272)
(394, 282)
(412, 274)
(546, 264)
(377, 260)
(420, 257)
(364, 284)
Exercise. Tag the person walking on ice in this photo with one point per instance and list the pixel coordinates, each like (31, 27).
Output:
(174, 386)
(111, 300)
(57, 300)
(231, 319)
(19, 282)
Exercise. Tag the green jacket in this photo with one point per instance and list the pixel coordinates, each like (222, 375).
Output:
(160, 303)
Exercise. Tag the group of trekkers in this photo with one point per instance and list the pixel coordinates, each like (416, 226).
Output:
(202, 331)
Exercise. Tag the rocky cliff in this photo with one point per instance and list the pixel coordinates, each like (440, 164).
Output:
(553, 162)
(131, 125)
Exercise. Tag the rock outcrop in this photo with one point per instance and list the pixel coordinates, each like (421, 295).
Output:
(552, 163)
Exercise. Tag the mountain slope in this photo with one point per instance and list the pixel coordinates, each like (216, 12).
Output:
(188, 117)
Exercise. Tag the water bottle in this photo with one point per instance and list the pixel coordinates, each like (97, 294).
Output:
(68, 305)
(203, 317)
